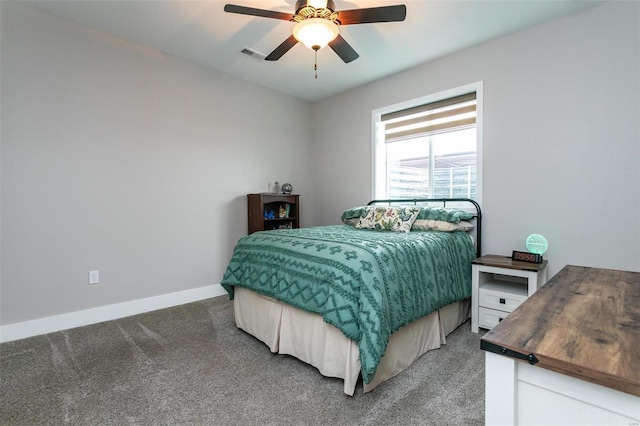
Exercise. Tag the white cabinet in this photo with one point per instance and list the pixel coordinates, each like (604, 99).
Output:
(500, 285)
(517, 393)
(569, 354)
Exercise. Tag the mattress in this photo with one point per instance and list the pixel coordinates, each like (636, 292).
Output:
(288, 330)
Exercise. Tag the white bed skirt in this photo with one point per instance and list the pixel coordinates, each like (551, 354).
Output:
(288, 330)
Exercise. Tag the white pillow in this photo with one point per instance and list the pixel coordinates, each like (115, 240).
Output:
(440, 225)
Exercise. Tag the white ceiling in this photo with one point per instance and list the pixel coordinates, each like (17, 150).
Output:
(201, 32)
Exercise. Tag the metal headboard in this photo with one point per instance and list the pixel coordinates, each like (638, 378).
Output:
(444, 201)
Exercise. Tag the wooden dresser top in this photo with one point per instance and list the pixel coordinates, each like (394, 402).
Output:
(585, 323)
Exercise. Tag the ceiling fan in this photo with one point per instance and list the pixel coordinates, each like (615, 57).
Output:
(317, 24)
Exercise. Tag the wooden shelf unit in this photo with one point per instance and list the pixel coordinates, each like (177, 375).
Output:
(258, 204)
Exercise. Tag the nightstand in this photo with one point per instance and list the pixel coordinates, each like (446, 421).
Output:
(500, 285)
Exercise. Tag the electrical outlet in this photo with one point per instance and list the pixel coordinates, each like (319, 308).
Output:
(94, 277)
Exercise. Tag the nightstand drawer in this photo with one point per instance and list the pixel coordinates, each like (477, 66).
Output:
(501, 297)
(489, 318)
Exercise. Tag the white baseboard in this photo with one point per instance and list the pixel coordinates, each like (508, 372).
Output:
(55, 323)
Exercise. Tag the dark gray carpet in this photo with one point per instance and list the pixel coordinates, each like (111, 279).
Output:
(191, 365)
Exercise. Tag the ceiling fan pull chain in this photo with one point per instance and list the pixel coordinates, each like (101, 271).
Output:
(315, 65)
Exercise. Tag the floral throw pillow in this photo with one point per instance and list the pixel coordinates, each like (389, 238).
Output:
(396, 219)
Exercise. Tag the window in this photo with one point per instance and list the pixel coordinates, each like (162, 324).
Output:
(429, 147)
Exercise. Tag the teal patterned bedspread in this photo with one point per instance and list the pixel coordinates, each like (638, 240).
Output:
(366, 283)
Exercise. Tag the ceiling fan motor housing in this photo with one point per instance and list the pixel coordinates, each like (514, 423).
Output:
(304, 3)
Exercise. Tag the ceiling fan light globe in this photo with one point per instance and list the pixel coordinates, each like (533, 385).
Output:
(315, 33)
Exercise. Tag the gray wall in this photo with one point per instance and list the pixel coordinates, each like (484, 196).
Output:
(119, 158)
(125, 160)
(561, 136)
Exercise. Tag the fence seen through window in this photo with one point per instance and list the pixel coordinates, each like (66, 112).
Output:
(436, 166)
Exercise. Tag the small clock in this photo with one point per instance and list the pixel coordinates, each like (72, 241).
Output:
(524, 256)
(287, 188)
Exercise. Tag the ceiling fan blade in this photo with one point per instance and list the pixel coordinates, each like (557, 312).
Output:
(282, 49)
(242, 10)
(344, 49)
(373, 14)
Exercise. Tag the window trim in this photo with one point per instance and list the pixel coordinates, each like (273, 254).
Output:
(377, 131)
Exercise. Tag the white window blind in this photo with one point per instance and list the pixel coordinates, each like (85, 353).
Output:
(454, 113)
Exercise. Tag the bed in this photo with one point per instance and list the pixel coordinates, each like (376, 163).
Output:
(365, 298)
